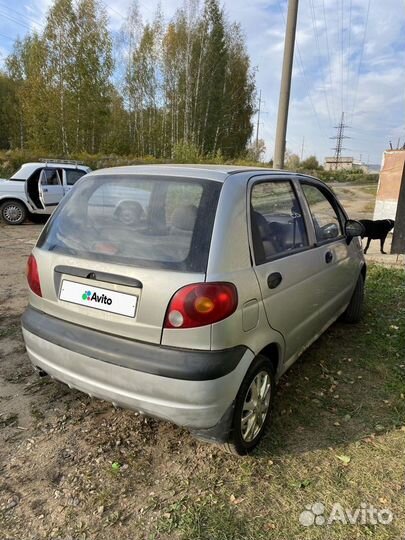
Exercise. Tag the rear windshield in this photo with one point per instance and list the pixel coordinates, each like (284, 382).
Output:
(152, 222)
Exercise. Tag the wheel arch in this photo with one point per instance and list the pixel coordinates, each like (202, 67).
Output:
(273, 353)
(8, 198)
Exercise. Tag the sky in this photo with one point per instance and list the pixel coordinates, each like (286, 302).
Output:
(349, 57)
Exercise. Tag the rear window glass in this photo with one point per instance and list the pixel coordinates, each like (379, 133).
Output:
(142, 221)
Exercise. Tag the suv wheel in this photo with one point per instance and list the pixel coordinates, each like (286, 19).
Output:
(13, 212)
(253, 407)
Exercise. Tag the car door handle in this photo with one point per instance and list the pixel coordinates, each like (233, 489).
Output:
(274, 280)
(328, 257)
(45, 190)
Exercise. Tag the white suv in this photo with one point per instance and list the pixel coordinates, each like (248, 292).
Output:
(37, 188)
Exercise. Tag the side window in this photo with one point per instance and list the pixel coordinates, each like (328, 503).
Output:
(278, 226)
(51, 177)
(326, 220)
(73, 175)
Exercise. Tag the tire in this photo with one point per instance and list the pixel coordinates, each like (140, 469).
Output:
(354, 310)
(13, 212)
(244, 439)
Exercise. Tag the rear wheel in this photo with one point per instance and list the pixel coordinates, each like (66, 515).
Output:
(13, 212)
(253, 407)
(354, 309)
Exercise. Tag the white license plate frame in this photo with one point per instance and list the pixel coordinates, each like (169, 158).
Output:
(98, 298)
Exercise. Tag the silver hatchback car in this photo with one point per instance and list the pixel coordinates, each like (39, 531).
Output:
(185, 292)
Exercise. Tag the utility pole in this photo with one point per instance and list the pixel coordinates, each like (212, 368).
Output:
(302, 148)
(339, 140)
(258, 120)
(398, 240)
(285, 88)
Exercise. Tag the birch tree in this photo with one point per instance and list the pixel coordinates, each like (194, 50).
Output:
(60, 40)
(180, 88)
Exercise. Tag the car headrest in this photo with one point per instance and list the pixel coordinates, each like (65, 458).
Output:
(132, 206)
(184, 217)
(261, 223)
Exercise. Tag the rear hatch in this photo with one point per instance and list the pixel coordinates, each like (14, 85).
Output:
(119, 247)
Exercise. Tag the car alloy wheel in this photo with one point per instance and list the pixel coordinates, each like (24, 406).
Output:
(13, 212)
(256, 406)
(252, 407)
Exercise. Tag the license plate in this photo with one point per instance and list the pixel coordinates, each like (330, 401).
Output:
(98, 298)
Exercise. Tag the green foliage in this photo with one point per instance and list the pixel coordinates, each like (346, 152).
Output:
(255, 151)
(183, 89)
(310, 164)
(292, 161)
(355, 177)
(8, 110)
(62, 81)
(185, 153)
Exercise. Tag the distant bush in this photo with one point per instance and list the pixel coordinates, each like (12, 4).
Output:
(311, 164)
(11, 161)
(186, 153)
(355, 177)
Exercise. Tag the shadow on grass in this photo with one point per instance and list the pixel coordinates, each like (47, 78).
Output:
(350, 384)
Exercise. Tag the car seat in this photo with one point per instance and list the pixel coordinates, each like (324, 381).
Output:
(183, 219)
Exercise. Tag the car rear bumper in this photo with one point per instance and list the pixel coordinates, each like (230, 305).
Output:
(106, 372)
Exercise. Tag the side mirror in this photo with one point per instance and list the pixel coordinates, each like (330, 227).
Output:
(353, 228)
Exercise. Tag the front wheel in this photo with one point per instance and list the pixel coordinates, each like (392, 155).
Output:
(13, 212)
(253, 407)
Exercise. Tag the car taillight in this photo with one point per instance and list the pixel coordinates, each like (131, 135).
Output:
(33, 276)
(200, 304)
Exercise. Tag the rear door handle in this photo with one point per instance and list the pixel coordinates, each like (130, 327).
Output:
(328, 257)
(274, 280)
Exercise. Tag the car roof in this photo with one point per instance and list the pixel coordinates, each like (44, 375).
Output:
(210, 172)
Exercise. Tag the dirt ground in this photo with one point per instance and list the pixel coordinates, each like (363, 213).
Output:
(58, 446)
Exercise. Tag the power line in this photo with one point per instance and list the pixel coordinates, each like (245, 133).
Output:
(107, 6)
(331, 89)
(141, 6)
(348, 49)
(16, 21)
(303, 73)
(316, 34)
(7, 37)
(360, 61)
(30, 19)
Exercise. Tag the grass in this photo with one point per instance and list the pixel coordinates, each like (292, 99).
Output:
(338, 436)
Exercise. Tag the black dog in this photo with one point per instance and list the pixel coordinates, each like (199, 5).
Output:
(376, 230)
